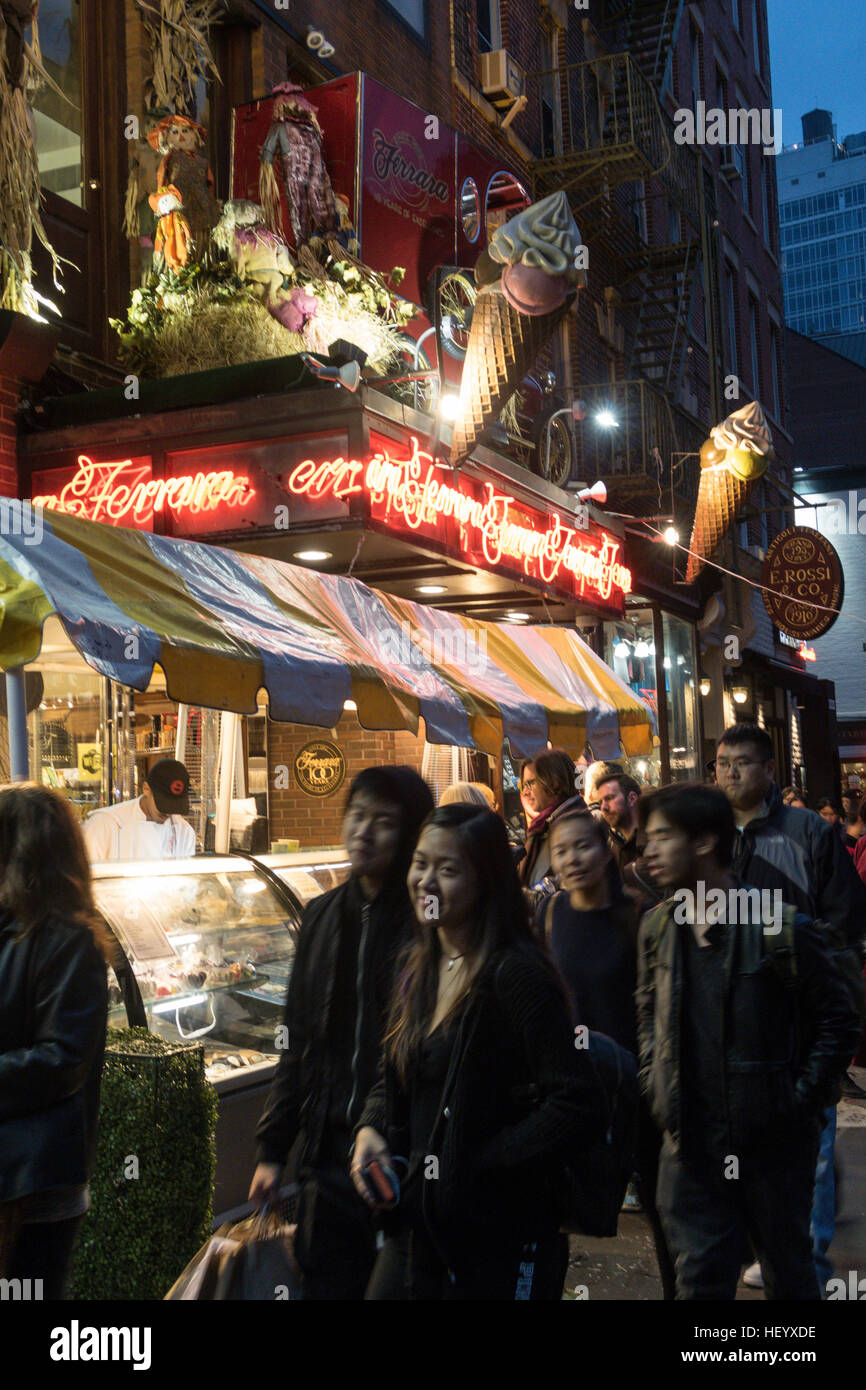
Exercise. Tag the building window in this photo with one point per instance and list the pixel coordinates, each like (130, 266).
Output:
(753, 345)
(489, 30)
(58, 121)
(697, 85)
(774, 372)
(756, 36)
(412, 12)
(679, 666)
(731, 319)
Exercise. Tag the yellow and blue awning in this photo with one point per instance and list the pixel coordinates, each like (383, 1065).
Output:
(223, 625)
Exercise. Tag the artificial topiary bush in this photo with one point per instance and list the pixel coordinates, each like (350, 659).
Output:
(152, 1186)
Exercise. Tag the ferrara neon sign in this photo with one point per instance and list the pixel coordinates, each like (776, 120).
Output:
(124, 493)
(411, 494)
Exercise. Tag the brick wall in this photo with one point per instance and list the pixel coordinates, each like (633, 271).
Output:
(8, 437)
(317, 822)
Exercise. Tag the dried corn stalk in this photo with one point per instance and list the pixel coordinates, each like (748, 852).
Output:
(20, 190)
(179, 34)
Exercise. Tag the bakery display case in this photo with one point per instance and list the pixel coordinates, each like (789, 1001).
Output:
(206, 953)
(209, 944)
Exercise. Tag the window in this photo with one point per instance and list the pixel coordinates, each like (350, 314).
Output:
(721, 91)
(697, 85)
(413, 12)
(776, 401)
(58, 121)
(487, 12)
(753, 345)
(731, 318)
(756, 36)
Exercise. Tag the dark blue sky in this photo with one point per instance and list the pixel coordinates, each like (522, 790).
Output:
(817, 50)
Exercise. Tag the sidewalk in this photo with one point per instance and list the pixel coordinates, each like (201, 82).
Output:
(625, 1268)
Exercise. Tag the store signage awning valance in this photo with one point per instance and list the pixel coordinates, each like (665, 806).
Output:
(223, 625)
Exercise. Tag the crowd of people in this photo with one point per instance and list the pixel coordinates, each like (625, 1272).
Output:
(436, 1088)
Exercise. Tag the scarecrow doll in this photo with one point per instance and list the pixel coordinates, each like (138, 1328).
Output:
(184, 166)
(296, 136)
(173, 241)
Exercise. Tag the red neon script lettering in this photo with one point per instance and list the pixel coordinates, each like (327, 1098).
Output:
(121, 491)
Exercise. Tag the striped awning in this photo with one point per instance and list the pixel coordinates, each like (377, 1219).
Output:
(223, 625)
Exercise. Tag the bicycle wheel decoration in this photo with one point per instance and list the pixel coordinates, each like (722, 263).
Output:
(516, 314)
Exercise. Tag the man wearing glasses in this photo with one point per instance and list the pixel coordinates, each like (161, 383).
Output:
(795, 851)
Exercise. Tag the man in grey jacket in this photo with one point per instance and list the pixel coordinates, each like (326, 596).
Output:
(793, 850)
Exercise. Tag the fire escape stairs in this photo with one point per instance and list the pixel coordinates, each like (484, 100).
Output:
(649, 30)
(663, 288)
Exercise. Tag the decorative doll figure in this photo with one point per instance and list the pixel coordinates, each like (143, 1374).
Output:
(263, 260)
(296, 136)
(184, 166)
(173, 241)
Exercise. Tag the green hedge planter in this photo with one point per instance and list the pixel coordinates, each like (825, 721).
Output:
(152, 1188)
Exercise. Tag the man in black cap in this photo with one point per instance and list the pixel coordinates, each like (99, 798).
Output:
(151, 826)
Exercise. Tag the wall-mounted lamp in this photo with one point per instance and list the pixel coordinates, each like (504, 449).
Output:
(740, 694)
(705, 685)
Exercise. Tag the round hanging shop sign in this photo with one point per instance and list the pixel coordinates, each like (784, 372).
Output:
(320, 768)
(802, 576)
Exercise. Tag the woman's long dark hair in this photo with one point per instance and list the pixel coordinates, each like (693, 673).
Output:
(501, 920)
(44, 869)
(621, 910)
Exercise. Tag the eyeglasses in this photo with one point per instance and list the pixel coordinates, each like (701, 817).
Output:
(722, 765)
(527, 786)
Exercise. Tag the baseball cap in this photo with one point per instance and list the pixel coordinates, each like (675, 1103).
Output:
(169, 782)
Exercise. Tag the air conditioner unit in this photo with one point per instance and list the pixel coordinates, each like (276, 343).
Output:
(501, 78)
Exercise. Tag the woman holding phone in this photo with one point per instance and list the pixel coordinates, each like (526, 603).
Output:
(482, 1094)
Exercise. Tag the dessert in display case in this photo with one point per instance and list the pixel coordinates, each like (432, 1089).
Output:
(309, 873)
(208, 946)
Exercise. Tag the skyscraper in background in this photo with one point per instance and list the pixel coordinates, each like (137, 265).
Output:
(822, 210)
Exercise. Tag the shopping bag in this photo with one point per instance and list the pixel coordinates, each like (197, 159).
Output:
(251, 1261)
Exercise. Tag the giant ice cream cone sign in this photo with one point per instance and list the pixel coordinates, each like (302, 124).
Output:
(733, 459)
(528, 278)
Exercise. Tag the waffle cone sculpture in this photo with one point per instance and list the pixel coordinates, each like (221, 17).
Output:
(733, 460)
(503, 344)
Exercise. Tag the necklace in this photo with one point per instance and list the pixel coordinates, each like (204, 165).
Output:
(452, 961)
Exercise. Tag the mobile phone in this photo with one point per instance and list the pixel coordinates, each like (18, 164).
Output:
(382, 1183)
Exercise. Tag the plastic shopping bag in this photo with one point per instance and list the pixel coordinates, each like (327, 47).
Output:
(251, 1261)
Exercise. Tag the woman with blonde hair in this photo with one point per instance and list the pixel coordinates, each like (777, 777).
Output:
(53, 1011)
(473, 793)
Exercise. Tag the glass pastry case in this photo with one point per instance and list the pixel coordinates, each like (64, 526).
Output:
(208, 946)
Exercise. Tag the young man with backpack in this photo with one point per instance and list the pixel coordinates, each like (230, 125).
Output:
(796, 852)
(744, 1030)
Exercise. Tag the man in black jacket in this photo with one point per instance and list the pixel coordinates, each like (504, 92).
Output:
(335, 1015)
(793, 850)
(744, 1030)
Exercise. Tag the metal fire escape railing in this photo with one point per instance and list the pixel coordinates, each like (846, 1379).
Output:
(649, 30)
(612, 130)
(650, 453)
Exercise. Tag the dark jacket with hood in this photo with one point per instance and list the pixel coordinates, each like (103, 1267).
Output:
(53, 1011)
(518, 1098)
(332, 1052)
(788, 1030)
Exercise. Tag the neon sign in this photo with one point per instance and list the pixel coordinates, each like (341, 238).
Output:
(408, 492)
(123, 492)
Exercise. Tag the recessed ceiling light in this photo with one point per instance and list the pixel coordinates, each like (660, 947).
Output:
(430, 589)
(311, 556)
(517, 617)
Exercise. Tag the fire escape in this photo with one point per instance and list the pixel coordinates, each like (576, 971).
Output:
(610, 137)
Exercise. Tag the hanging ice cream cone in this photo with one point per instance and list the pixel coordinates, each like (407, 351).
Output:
(721, 497)
(503, 345)
(733, 460)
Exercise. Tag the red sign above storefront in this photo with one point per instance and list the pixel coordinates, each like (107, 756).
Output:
(493, 530)
(124, 493)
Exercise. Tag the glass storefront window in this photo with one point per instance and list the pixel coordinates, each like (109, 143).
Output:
(629, 649)
(680, 675)
(58, 120)
(66, 736)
